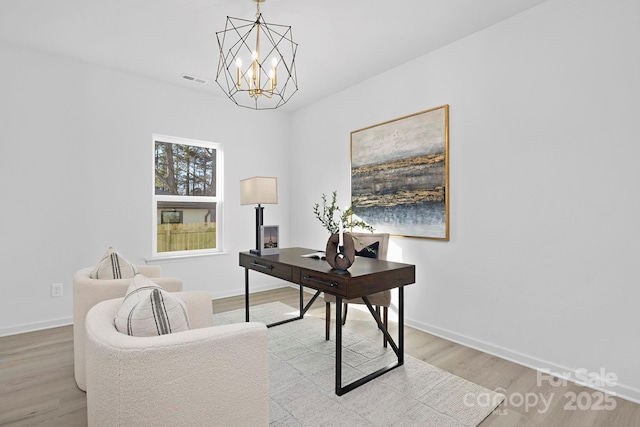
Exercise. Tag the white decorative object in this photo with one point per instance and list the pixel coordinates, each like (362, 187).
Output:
(148, 310)
(113, 266)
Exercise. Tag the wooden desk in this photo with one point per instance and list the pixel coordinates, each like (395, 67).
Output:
(367, 276)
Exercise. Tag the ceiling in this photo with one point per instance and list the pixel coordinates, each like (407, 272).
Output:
(340, 42)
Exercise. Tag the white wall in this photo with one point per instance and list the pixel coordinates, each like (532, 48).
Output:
(544, 185)
(77, 177)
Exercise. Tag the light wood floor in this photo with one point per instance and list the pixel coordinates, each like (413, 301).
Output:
(37, 386)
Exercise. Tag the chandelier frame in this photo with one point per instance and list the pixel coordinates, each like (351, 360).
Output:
(254, 84)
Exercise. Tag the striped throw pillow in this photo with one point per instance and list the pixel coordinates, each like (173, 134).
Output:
(113, 266)
(148, 310)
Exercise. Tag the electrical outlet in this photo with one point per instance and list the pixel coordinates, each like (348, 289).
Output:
(56, 290)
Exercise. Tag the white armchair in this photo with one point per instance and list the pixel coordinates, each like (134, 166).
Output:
(87, 292)
(209, 375)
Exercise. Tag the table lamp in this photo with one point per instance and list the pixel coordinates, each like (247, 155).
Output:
(258, 190)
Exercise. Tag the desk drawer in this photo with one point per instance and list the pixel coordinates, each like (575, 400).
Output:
(273, 269)
(323, 282)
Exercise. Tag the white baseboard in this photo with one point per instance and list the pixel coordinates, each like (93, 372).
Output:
(37, 326)
(570, 374)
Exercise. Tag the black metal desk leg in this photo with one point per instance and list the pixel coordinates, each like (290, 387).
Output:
(301, 303)
(401, 325)
(338, 346)
(246, 294)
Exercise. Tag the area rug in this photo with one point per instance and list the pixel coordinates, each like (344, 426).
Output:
(302, 380)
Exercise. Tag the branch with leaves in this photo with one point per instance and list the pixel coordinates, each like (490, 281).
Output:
(327, 211)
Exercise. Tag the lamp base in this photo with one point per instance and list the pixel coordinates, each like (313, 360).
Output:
(259, 215)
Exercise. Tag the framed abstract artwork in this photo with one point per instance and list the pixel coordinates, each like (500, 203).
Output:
(400, 175)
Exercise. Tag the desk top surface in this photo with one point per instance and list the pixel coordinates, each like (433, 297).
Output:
(361, 267)
(365, 277)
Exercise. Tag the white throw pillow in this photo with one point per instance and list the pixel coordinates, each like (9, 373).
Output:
(113, 266)
(147, 310)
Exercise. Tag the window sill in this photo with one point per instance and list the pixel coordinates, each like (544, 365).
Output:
(164, 258)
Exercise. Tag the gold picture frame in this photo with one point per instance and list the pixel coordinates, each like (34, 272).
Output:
(400, 175)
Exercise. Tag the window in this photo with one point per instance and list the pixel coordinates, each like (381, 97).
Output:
(187, 199)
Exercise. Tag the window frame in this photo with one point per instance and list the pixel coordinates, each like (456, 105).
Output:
(218, 199)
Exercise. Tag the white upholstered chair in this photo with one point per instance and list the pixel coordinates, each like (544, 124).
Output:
(87, 292)
(380, 299)
(208, 375)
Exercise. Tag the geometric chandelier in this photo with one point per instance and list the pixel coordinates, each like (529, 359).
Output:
(257, 62)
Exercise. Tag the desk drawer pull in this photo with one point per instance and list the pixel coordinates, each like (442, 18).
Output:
(322, 282)
(264, 267)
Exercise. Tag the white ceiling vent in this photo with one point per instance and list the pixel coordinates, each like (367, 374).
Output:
(193, 79)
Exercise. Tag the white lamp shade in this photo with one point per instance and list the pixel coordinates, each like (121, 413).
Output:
(259, 190)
